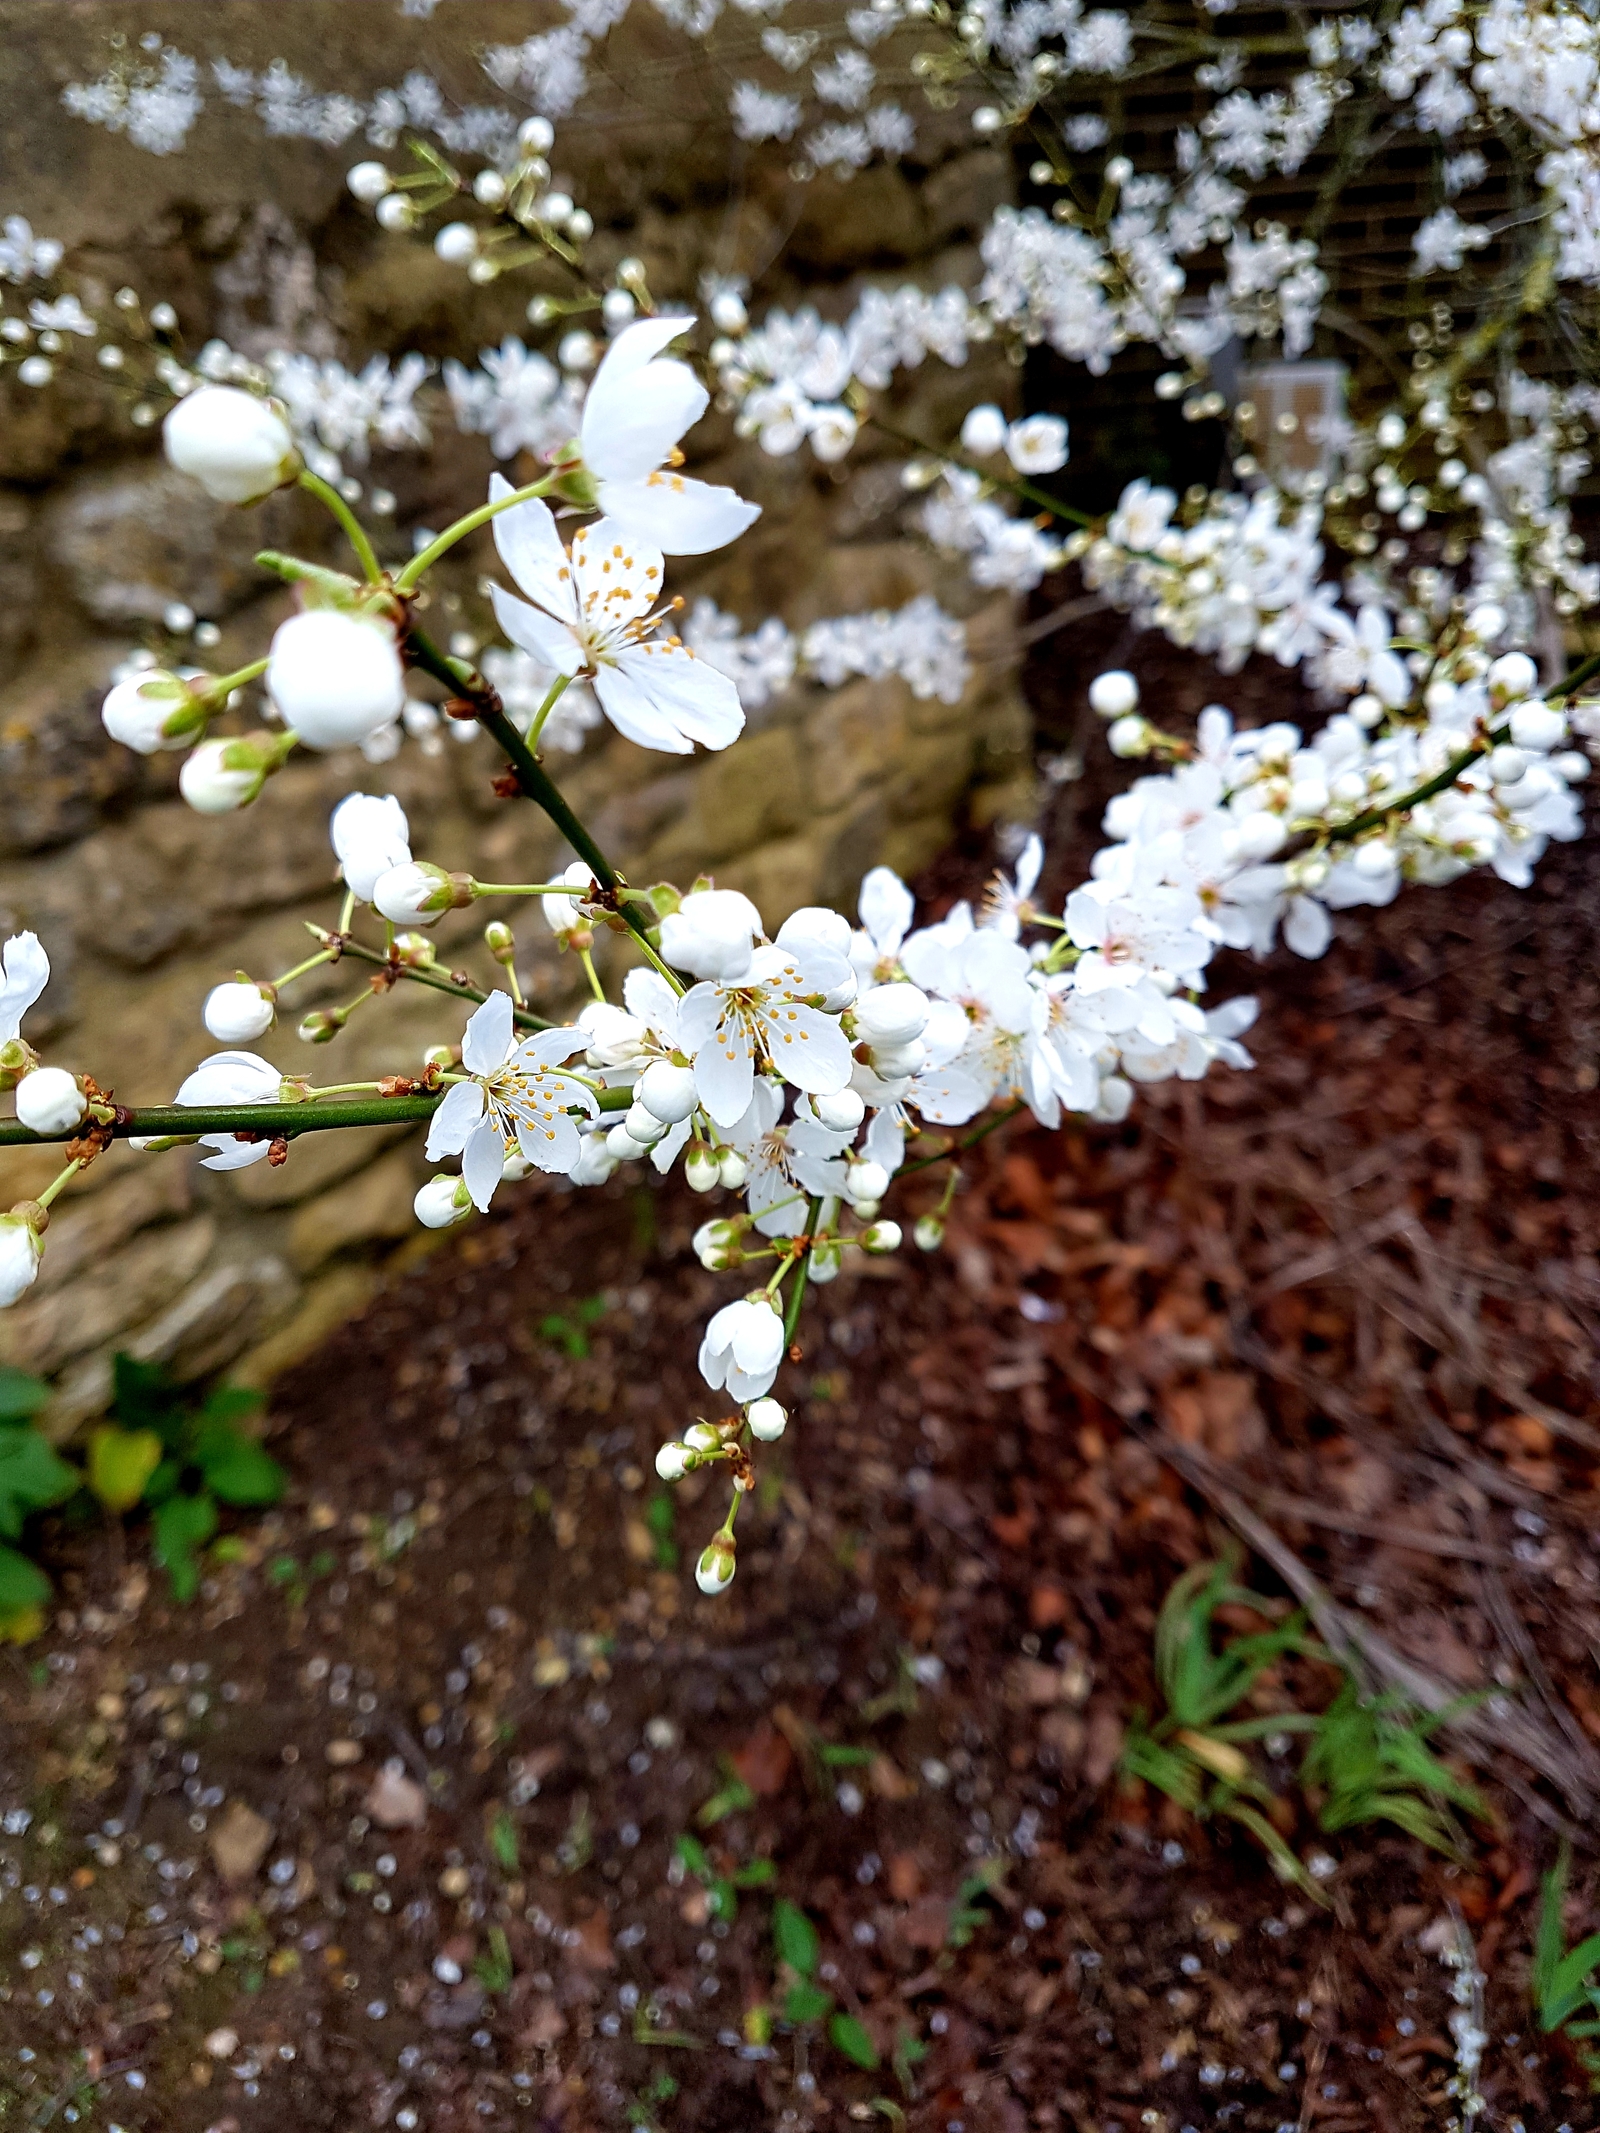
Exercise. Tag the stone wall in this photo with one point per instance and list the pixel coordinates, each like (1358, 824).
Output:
(143, 904)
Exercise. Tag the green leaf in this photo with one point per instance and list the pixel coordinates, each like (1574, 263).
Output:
(183, 1524)
(909, 2053)
(759, 1874)
(847, 2035)
(235, 1466)
(121, 1462)
(31, 1478)
(806, 2002)
(724, 1899)
(20, 1395)
(795, 1937)
(694, 1856)
(837, 1758)
(144, 1397)
(231, 1403)
(23, 1585)
(733, 1799)
(503, 1842)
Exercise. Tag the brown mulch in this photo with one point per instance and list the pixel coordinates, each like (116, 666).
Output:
(1344, 1306)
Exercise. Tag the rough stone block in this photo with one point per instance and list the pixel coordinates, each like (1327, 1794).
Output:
(149, 1272)
(374, 1207)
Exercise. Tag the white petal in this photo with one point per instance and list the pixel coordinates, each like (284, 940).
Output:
(635, 715)
(724, 1073)
(679, 515)
(487, 1038)
(550, 1141)
(701, 703)
(807, 1047)
(648, 996)
(455, 1120)
(886, 908)
(483, 1163)
(531, 550)
(638, 406)
(551, 642)
(27, 972)
(949, 1097)
(233, 1154)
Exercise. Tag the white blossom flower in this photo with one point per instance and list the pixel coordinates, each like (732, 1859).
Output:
(712, 934)
(785, 1164)
(593, 613)
(335, 678)
(369, 836)
(517, 1098)
(765, 1015)
(228, 1078)
(1037, 445)
(743, 1347)
(638, 405)
(238, 448)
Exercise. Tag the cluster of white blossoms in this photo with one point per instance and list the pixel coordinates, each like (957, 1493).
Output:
(1409, 549)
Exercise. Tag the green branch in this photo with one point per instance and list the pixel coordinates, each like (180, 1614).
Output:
(457, 985)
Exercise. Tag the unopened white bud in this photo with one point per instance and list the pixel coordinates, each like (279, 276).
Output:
(395, 212)
(881, 1237)
(714, 1571)
(1537, 727)
(841, 1112)
(824, 1263)
(49, 1100)
(237, 447)
(1487, 622)
(20, 1253)
(335, 678)
(577, 350)
(1506, 764)
(672, 1462)
(1512, 675)
(489, 188)
(617, 307)
(643, 1125)
(866, 1181)
(1113, 694)
(1129, 736)
(768, 1419)
(152, 711)
(219, 776)
(580, 225)
(928, 1234)
(984, 431)
(368, 182)
(667, 1091)
(701, 1169)
(1367, 711)
(455, 243)
(1260, 835)
(623, 1146)
(238, 1012)
(414, 894)
(441, 1202)
(728, 313)
(891, 1015)
(537, 135)
(732, 1169)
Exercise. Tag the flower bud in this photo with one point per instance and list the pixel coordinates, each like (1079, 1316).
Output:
(336, 678)
(20, 1253)
(623, 1145)
(395, 212)
(237, 447)
(1130, 736)
(768, 1419)
(841, 1112)
(49, 1100)
(1114, 694)
(714, 1571)
(489, 188)
(732, 1169)
(929, 1233)
(644, 1126)
(515, 1168)
(824, 1262)
(595, 1161)
(239, 1011)
(672, 1462)
(891, 1015)
(881, 1237)
(456, 243)
(537, 136)
(1506, 764)
(368, 182)
(1512, 675)
(703, 1437)
(1538, 728)
(500, 941)
(222, 775)
(984, 432)
(666, 1091)
(419, 893)
(151, 711)
(728, 313)
(321, 1026)
(866, 1181)
(700, 1167)
(716, 1245)
(442, 1202)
